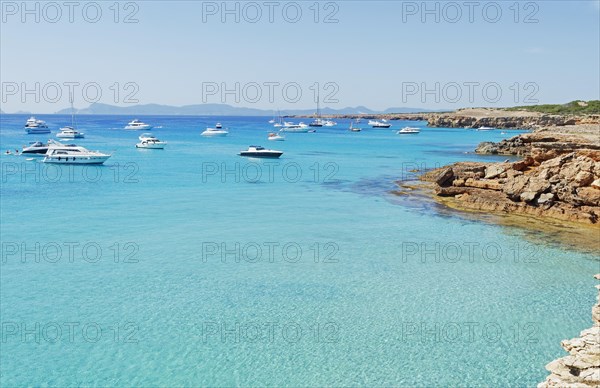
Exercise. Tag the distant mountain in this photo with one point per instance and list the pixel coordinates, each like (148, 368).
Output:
(218, 110)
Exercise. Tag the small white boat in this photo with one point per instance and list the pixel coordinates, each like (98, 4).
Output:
(272, 121)
(138, 125)
(408, 130)
(485, 129)
(36, 127)
(329, 123)
(260, 152)
(217, 131)
(71, 154)
(150, 142)
(379, 124)
(70, 133)
(275, 137)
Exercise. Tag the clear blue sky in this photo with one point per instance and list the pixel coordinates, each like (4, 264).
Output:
(373, 49)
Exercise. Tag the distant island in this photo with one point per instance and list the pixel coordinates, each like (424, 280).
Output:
(220, 110)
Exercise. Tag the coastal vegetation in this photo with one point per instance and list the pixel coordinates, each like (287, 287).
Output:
(576, 107)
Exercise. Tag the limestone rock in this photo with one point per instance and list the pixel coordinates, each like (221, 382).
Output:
(589, 196)
(545, 198)
(528, 196)
(515, 187)
(483, 184)
(581, 368)
(494, 171)
(444, 177)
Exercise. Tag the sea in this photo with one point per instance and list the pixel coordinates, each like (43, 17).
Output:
(194, 266)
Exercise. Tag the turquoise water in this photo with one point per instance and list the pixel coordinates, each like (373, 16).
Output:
(334, 281)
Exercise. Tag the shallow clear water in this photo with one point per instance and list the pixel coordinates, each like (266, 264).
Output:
(194, 266)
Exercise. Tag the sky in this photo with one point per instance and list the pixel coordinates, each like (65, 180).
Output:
(287, 54)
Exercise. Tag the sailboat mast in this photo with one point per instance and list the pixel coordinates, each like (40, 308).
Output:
(318, 108)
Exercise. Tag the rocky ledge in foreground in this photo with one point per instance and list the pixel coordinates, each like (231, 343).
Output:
(581, 368)
(543, 184)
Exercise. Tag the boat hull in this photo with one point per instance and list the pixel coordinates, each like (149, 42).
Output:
(151, 146)
(139, 127)
(81, 136)
(253, 154)
(76, 160)
(295, 130)
(37, 131)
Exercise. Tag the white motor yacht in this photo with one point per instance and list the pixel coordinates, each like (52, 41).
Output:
(71, 154)
(35, 127)
(485, 128)
(138, 125)
(329, 123)
(379, 124)
(408, 130)
(150, 142)
(260, 152)
(217, 131)
(70, 133)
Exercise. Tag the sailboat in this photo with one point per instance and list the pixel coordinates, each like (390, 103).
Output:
(69, 132)
(353, 128)
(272, 121)
(318, 122)
(279, 123)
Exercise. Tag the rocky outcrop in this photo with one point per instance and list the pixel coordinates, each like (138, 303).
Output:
(456, 120)
(581, 368)
(544, 185)
(538, 142)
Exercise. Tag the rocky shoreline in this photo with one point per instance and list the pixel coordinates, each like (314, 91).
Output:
(581, 368)
(480, 117)
(504, 119)
(558, 176)
(564, 187)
